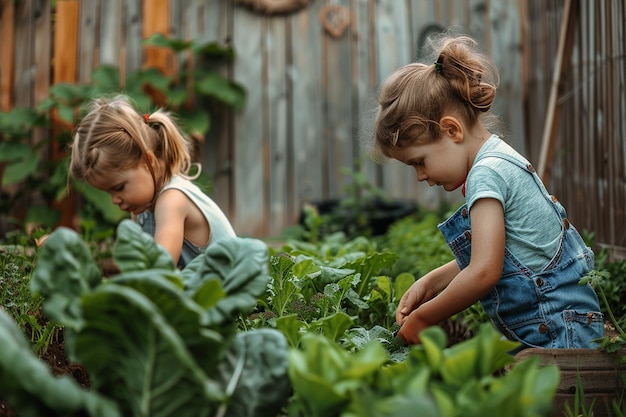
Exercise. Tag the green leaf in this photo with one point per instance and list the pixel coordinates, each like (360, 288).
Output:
(196, 122)
(28, 385)
(66, 113)
(333, 326)
(42, 214)
(136, 250)
(106, 78)
(213, 50)
(241, 267)
(434, 340)
(155, 78)
(402, 283)
(253, 390)
(160, 40)
(65, 271)
(220, 88)
(19, 122)
(176, 96)
(17, 171)
(291, 327)
(156, 361)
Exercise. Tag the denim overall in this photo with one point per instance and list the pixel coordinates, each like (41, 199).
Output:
(544, 309)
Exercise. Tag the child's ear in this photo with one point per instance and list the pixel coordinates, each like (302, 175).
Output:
(451, 127)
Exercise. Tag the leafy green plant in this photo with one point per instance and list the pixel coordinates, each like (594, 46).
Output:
(149, 88)
(437, 381)
(155, 341)
(18, 256)
(364, 209)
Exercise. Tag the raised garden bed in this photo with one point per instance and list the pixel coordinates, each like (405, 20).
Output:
(600, 375)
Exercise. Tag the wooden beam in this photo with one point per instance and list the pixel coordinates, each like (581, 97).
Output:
(564, 53)
(156, 19)
(64, 70)
(7, 49)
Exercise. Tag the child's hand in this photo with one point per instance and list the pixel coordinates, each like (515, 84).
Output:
(411, 299)
(411, 328)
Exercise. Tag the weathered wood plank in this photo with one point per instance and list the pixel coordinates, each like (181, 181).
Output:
(276, 154)
(565, 48)
(132, 43)
(23, 59)
(42, 62)
(248, 131)
(216, 25)
(156, 19)
(394, 50)
(599, 374)
(305, 75)
(337, 84)
(111, 27)
(88, 54)
(7, 54)
(65, 70)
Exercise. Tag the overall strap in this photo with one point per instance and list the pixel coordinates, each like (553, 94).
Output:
(528, 167)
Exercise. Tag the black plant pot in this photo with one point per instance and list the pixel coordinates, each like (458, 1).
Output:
(376, 215)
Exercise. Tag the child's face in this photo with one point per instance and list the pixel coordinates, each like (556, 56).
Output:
(132, 190)
(443, 162)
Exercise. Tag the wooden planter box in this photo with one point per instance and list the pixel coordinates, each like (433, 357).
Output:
(600, 375)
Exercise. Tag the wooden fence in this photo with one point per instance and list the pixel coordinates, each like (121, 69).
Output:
(311, 91)
(575, 109)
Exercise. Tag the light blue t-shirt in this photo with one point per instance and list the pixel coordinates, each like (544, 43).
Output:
(532, 226)
(215, 217)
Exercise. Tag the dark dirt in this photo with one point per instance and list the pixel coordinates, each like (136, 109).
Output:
(58, 363)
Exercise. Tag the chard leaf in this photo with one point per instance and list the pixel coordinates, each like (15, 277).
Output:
(240, 265)
(254, 390)
(135, 355)
(65, 271)
(136, 250)
(333, 326)
(29, 386)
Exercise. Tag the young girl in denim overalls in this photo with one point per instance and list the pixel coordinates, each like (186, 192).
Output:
(515, 249)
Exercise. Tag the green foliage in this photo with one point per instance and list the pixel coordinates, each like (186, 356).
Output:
(437, 381)
(193, 94)
(418, 243)
(364, 209)
(18, 257)
(154, 340)
(320, 342)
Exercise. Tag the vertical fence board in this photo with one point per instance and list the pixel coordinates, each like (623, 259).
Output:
(111, 50)
(338, 109)
(22, 80)
(65, 67)
(156, 14)
(276, 152)
(88, 29)
(7, 44)
(248, 149)
(133, 48)
(305, 79)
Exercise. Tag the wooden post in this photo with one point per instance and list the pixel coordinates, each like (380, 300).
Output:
(7, 42)
(156, 19)
(550, 130)
(64, 70)
(7, 46)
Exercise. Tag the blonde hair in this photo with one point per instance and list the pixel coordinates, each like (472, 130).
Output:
(415, 97)
(113, 136)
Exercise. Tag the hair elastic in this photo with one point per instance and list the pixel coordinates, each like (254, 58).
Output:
(146, 116)
(439, 64)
